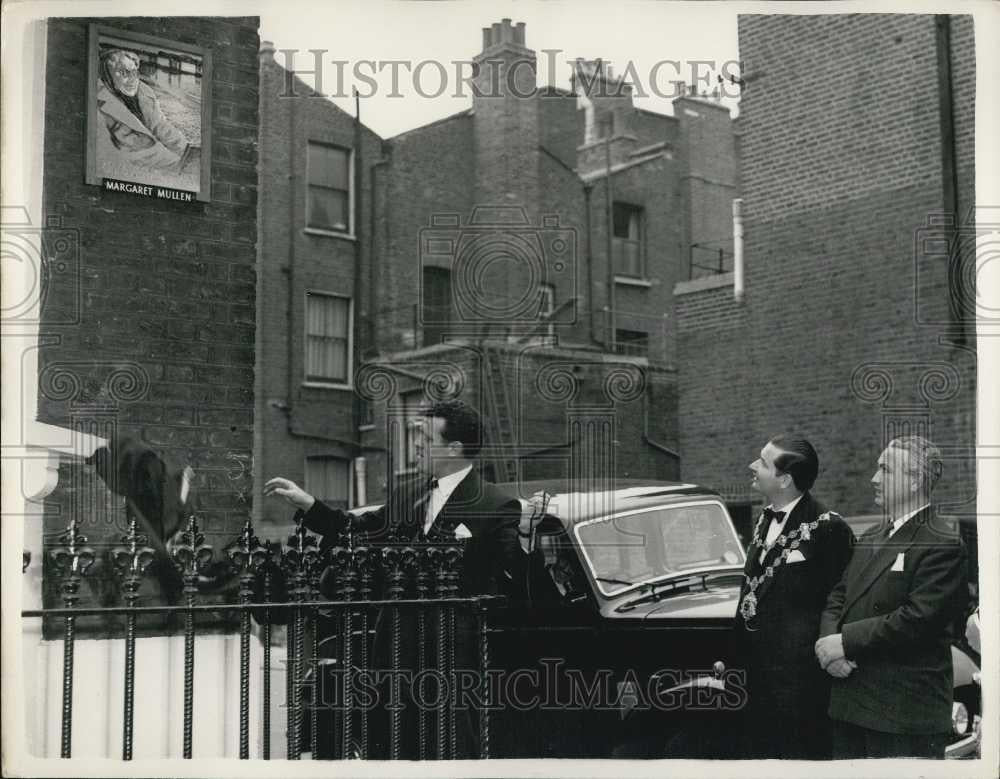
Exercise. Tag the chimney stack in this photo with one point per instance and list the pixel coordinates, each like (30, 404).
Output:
(504, 34)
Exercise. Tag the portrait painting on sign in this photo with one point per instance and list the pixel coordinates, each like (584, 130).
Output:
(148, 112)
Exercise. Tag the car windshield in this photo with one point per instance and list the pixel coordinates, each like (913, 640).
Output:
(625, 550)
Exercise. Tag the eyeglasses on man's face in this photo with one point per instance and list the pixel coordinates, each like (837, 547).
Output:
(125, 72)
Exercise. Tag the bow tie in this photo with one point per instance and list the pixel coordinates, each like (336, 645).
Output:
(425, 492)
(773, 516)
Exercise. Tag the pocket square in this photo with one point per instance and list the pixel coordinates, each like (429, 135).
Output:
(462, 532)
(898, 565)
(795, 557)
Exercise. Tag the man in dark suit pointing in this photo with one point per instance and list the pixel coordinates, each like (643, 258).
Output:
(797, 555)
(448, 501)
(887, 625)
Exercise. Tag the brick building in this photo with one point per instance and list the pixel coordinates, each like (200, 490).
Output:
(477, 258)
(142, 326)
(154, 336)
(315, 214)
(849, 330)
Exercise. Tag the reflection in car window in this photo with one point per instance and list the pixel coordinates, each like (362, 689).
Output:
(645, 545)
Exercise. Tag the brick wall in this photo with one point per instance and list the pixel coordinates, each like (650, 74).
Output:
(652, 186)
(429, 172)
(650, 127)
(295, 420)
(559, 125)
(706, 152)
(568, 412)
(564, 198)
(162, 342)
(841, 169)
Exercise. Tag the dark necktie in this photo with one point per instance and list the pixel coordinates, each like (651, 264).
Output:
(420, 507)
(411, 522)
(425, 493)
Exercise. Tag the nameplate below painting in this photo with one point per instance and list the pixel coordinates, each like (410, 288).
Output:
(147, 190)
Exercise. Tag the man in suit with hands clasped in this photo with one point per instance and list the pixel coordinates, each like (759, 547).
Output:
(887, 625)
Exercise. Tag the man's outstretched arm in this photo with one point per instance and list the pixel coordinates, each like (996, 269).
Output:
(320, 518)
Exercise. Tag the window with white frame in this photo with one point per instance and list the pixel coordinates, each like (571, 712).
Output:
(412, 418)
(329, 479)
(328, 338)
(627, 241)
(328, 205)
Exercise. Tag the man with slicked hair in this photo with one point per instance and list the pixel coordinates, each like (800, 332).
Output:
(796, 556)
(446, 503)
(887, 626)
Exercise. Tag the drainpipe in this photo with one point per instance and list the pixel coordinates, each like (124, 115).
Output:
(358, 290)
(372, 258)
(587, 190)
(738, 278)
(361, 481)
(360, 341)
(289, 269)
(610, 336)
(949, 171)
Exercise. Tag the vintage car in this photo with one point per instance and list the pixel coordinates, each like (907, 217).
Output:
(624, 646)
(621, 645)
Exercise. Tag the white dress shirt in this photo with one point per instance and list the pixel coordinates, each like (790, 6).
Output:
(776, 527)
(440, 494)
(898, 523)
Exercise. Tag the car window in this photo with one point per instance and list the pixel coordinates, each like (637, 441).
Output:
(628, 549)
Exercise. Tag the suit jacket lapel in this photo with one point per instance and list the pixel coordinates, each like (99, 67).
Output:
(456, 509)
(799, 514)
(883, 558)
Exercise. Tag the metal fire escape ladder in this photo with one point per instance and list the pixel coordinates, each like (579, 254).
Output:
(500, 427)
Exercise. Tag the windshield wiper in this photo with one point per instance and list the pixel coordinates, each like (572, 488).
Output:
(608, 580)
(654, 590)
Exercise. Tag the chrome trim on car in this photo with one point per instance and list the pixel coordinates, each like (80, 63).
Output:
(965, 748)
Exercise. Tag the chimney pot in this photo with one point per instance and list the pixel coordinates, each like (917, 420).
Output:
(486, 38)
(497, 36)
(519, 34)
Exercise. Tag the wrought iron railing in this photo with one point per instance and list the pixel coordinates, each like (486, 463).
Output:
(370, 584)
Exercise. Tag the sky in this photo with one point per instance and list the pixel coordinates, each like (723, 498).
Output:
(663, 41)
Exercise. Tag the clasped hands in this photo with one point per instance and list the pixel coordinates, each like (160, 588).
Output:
(830, 654)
